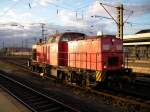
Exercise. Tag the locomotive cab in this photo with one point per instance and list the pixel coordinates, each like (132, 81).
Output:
(65, 37)
(58, 52)
(114, 73)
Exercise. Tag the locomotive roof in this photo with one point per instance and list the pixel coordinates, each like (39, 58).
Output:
(102, 36)
(60, 34)
(79, 36)
(67, 36)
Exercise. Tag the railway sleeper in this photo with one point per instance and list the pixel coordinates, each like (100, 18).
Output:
(54, 109)
(41, 103)
(33, 100)
(41, 107)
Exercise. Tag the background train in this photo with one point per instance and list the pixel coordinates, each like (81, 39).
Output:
(83, 60)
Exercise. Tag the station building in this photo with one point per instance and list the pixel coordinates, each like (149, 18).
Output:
(138, 45)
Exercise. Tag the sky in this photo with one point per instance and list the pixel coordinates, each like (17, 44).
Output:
(20, 20)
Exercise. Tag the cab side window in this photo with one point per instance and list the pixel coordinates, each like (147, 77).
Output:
(64, 39)
(52, 39)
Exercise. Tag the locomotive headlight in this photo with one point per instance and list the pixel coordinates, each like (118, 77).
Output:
(113, 40)
(105, 66)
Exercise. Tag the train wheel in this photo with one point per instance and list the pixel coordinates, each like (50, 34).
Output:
(44, 70)
(33, 68)
(61, 76)
(87, 81)
(40, 70)
(116, 84)
(65, 77)
(68, 78)
(73, 77)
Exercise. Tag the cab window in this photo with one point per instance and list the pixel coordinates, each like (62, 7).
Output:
(72, 36)
(64, 38)
(52, 39)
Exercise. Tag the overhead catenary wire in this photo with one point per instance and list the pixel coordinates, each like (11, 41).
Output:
(29, 4)
(10, 8)
(128, 17)
(137, 24)
(80, 8)
(57, 6)
(109, 13)
(131, 12)
(114, 6)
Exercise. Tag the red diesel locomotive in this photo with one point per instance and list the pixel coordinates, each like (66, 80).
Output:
(80, 59)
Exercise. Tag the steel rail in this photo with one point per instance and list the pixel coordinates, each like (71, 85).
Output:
(32, 99)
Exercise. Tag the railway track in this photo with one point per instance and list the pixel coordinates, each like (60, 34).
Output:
(124, 101)
(34, 100)
(135, 90)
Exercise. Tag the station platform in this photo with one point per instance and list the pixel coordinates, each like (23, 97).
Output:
(10, 104)
(139, 66)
